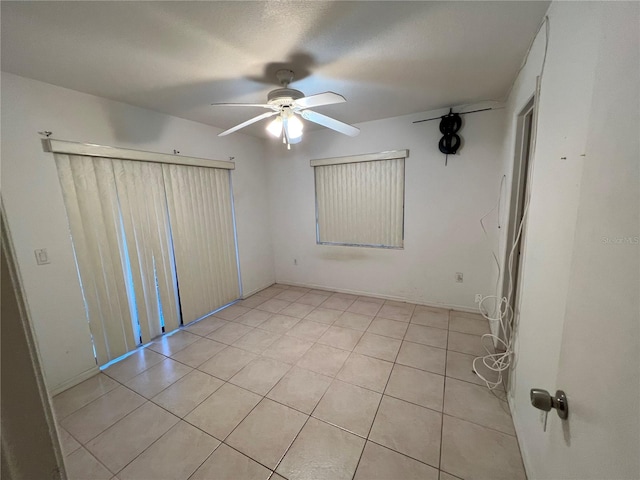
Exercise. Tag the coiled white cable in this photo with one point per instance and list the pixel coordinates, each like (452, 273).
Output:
(503, 313)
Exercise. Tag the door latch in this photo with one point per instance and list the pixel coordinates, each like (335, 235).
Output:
(543, 400)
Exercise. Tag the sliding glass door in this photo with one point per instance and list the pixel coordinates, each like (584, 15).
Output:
(155, 245)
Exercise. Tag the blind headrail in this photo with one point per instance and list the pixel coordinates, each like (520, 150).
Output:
(367, 157)
(92, 150)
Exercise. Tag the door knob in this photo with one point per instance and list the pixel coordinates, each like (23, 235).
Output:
(543, 400)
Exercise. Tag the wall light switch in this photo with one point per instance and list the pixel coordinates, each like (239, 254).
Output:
(42, 257)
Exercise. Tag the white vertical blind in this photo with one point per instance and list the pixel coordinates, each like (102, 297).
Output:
(201, 215)
(146, 223)
(154, 242)
(361, 203)
(90, 195)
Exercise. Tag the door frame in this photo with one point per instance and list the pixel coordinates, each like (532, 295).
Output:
(520, 184)
(29, 448)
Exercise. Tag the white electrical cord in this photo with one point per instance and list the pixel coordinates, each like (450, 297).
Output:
(503, 313)
(486, 235)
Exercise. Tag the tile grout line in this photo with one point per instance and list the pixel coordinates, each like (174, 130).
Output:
(479, 425)
(127, 415)
(299, 431)
(161, 436)
(152, 443)
(290, 445)
(59, 420)
(444, 393)
(204, 461)
(209, 434)
(92, 456)
(394, 363)
(349, 431)
(403, 454)
(84, 445)
(310, 415)
(350, 351)
(291, 366)
(388, 395)
(249, 413)
(381, 398)
(326, 422)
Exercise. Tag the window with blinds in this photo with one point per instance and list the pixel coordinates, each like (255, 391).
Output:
(360, 200)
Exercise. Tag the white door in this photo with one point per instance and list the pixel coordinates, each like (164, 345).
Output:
(598, 365)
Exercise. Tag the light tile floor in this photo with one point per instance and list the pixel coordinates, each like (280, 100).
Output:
(298, 384)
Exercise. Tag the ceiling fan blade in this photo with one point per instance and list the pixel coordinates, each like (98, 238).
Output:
(261, 105)
(247, 123)
(329, 122)
(326, 98)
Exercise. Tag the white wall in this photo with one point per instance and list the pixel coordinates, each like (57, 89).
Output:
(578, 325)
(443, 205)
(36, 214)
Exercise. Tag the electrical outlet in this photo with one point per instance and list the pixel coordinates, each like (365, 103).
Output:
(478, 297)
(458, 277)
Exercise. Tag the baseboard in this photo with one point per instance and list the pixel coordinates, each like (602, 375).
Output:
(378, 295)
(256, 290)
(72, 382)
(516, 425)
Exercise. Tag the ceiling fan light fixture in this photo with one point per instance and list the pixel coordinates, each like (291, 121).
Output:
(275, 127)
(294, 127)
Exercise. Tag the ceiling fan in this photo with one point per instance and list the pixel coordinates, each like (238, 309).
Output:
(285, 104)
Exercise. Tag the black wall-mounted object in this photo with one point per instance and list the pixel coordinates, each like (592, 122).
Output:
(449, 126)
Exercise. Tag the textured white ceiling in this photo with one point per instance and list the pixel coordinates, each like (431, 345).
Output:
(387, 58)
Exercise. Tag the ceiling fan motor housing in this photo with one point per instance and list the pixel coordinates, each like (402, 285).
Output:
(283, 96)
